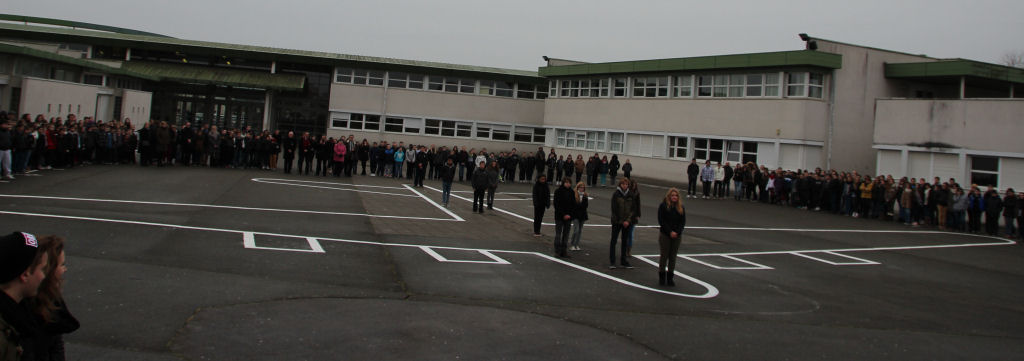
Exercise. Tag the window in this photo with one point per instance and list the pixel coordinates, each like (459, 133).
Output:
(493, 131)
(650, 87)
(796, 84)
(708, 149)
(771, 84)
(448, 128)
(743, 152)
(402, 125)
(359, 76)
(456, 85)
(529, 135)
(579, 139)
(530, 91)
(355, 121)
(677, 147)
(398, 80)
(985, 171)
(815, 85)
(721, 88)
(754, 85)
(94, 79)
(496, 88)
(616, 142)
(435, 83)
(553, 88)
(737, 84)
(405, 80)
(683, 86)
(704, 85)
(620, 87)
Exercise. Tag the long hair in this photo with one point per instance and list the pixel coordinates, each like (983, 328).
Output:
(50, 289)
(577, 191)
(678, 205)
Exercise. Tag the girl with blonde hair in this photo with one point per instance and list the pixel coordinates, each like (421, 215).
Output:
(671, 221)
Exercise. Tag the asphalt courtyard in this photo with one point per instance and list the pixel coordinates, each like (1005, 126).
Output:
(219, 264)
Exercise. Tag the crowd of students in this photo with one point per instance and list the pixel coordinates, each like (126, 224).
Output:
(33, 315)
(947, 205)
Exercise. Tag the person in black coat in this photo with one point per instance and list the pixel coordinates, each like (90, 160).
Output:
(541, 202)
(1010, 212)
(289, 144)
(671, 221)
(579, 214)
(993, 205)
(479, 181)
(692, 171)
(565, 204)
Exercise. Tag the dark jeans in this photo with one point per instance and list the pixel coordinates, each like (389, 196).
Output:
(616, 230)
(562, 230)
(669, 249)
(478, 199)
(706, 187)
(691, 186)
(538, 217)
(490, 196)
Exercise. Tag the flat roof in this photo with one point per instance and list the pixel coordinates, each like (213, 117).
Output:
(133, 40)
(718, 62)
(36, 53)
(954, 68)
(217, 75)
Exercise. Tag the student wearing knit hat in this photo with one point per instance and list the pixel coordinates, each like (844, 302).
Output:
(22, 268)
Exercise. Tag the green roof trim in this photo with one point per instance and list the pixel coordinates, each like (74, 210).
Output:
(73, 24)
(217, 75)
(255, 52)
(954, 68)
(737, 61)
(36, 53)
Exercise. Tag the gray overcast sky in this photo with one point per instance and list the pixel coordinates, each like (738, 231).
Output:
(515, 34)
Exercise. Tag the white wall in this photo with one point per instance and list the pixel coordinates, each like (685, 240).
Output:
(136, 105)
(52, 98)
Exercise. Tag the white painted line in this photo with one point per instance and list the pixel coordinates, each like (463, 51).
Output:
(318, 182)
(249, 241)
(431, 201)
(260, 180)
(453, 195)
(711, 290)
(753, 265)
(222, 207)
(1002, 242)
(860, 261)
(496, 260)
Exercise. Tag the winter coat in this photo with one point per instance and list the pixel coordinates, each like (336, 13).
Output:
(339, 152)
(479, 179)
(580, 211)
(623, 208)
(565, 203)
(541, 195)
(670, 220)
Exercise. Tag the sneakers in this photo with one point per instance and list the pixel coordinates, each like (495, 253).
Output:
(612, 266)
(536, 234)
(11, 177)
(626, 265)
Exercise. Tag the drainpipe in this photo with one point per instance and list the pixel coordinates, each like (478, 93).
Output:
(963, 87)
(831, 118)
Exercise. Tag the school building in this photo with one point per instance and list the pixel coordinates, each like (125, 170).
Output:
(826, 104)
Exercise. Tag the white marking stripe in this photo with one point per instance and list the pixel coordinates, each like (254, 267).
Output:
(470, 200)
(755, 266)
(488, 254)
(860, 261)
(711, 290)
(443, 209)
(219, 206)
(260, 180)
(317, 182)
(249, 241)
